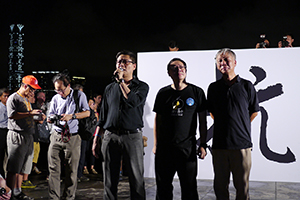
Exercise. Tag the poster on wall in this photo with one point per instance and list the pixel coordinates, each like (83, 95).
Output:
(275, 137)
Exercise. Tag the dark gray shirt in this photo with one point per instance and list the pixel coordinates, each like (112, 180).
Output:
(15, 103)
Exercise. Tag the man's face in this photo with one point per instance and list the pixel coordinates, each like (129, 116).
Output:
(92, 104)
(28, 91)
(290, 40)
(124, 62)
(60, 89)
(225, 63)
(3, 98)
(177, 70)
(98, 99)
(41, 97)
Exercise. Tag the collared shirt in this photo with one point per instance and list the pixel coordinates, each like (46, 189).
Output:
(60, 105)
(232, 107)
(3, 116)
(117, 112)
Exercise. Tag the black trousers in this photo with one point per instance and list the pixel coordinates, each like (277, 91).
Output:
(167, 163)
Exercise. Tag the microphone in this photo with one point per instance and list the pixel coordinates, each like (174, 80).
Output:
(116, 75)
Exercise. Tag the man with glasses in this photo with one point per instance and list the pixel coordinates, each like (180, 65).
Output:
(64, 136)
(120, 123)
(4, 93)
(20, 129)
(233, 104)
(177, 107)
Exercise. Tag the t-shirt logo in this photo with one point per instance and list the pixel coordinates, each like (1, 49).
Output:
(190, 101)
(177, 107)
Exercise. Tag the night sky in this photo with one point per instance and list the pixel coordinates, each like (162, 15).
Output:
(84, 36)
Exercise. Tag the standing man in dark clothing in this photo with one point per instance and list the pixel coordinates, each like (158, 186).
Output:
(233, 104)
(177, 107)
(120, 123)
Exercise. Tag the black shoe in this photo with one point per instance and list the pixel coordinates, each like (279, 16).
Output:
(83, 179)
(22, 196)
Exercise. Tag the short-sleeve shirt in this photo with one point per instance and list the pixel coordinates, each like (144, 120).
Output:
(178, 110)
(232, 107)
(3, 116)
(15, 103)
(60, 105)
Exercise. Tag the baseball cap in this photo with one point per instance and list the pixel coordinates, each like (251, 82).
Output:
(32, 81)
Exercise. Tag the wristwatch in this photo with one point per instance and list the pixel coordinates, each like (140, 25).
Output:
(74, 116)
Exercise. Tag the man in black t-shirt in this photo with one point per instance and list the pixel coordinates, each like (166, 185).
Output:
(233, 104)
(177, 107)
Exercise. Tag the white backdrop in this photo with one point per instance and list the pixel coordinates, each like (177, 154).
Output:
(277, 71)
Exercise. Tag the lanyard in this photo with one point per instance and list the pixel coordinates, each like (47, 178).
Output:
(27, 103)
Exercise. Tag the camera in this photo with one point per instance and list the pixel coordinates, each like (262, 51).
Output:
(55, 119)
(284, 42)
(263, 44)
(2, 191)
(38, 117)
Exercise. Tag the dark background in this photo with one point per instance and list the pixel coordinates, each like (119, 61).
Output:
(84, 36)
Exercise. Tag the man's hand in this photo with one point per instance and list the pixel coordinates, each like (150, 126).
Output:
(96, 148)
(201, 152)
(118, 73)
(35, 112)
(154, 149)
(66, 117)
(7, 195)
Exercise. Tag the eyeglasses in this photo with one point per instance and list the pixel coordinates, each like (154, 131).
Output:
(31, 89)
(173, 67)
(124, 61)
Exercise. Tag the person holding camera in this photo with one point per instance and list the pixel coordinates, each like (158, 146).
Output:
(20, 128)
(265, 43)
(287, 41)
(64, 136)
(177, 107)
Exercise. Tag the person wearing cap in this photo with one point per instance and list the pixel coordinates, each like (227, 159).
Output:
(21, 129)
(177, 107)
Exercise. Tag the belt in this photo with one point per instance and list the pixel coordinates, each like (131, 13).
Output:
(72, 134)
(124, 131)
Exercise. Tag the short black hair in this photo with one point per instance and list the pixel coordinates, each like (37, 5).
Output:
(129, 53)
(62, 77)
(290, 34)
(176, 59)
(77, 87)
(4, 90)
(173, 44)
(95, 95)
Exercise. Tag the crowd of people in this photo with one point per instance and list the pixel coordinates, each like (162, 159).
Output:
(286, 42)
(179, 107)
